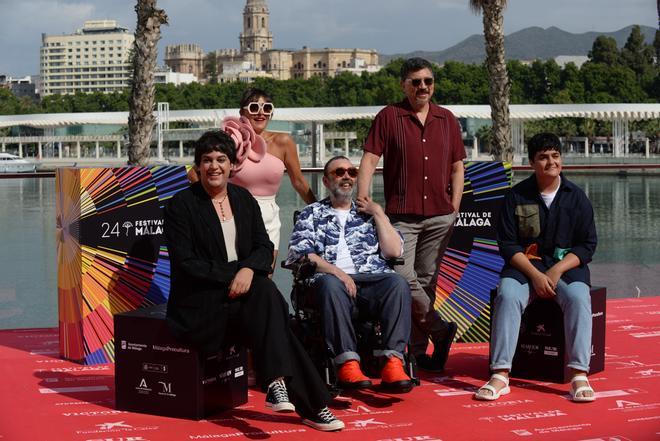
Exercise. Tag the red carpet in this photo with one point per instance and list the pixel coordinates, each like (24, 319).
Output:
(44, 398)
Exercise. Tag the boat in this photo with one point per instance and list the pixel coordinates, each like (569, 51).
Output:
(15, 164)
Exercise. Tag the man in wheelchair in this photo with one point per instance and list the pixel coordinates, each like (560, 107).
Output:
(349, 241)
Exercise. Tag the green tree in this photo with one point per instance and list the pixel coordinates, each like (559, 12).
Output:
(141, 103)
(604, 50)
(211, 67)
(636, 54)
(498, 80)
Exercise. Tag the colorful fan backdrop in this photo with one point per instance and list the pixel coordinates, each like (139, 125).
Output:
(110, 251)
(471, 265)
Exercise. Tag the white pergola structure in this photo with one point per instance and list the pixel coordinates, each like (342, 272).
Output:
(619, 114)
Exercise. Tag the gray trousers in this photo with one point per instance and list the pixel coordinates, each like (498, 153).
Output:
(425, 240)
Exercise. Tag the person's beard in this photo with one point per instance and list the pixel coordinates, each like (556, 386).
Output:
(341, 194)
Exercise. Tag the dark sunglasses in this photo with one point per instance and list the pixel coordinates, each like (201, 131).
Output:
(341, 171)
(254, 107)
(416, 82)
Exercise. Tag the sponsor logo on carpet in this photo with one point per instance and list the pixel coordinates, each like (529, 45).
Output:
(451, 392)
(101, 367)
(628, 406)
(647, 373)
(645, 334)
(413, 438)
(93, 413)
(618, 393)
(116, 426)
(526, 416)
(608, 438)
(496, 404)
(372, 423)
(65, 390)
(546, 430)
(127, 438)
(253, 434)
(363, 410)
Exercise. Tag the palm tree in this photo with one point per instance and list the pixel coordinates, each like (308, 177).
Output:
(141, 101)
(498, 78)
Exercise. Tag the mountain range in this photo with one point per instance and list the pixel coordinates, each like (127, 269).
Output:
(527, 44)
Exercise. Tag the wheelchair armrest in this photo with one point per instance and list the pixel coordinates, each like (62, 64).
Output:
(395, 261)
(301, 269)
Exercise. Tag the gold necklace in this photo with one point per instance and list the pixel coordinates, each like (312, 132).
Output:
(222, 210)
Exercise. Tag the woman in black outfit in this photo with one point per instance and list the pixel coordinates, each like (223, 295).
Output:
(221, 256)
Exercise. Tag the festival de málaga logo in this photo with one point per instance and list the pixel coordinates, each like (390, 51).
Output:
(473, 219)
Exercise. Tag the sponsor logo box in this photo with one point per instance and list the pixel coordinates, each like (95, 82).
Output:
(541, 351)
(155, 374)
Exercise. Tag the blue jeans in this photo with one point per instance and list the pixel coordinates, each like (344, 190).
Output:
(510, 303)
(385, 297)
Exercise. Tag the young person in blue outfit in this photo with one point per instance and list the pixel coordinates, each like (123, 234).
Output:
(349, 242)
(547, 236)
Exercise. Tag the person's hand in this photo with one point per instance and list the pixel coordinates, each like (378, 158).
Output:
(543, 286)
(554, 275)
(348, 281)
(367, 205)
(241, 283)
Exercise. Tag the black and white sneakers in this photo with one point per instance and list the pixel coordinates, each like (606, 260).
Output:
(277, 397)
(325, 421)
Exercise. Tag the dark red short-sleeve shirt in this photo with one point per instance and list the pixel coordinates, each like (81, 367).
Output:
(417, 158)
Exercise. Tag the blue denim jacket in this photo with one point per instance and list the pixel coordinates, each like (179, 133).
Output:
(317, 231)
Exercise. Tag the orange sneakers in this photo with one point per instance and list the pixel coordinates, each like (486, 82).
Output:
(394, 377)
(350, 376)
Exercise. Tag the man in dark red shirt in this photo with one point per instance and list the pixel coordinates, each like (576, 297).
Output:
(423, 174)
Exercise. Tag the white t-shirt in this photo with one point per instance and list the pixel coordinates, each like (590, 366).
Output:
(344, 261)
(229, 233)
(549, 197)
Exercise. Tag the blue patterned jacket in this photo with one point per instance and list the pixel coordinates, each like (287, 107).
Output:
(317, 231)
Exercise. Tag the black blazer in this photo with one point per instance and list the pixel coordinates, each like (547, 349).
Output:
(198, 305)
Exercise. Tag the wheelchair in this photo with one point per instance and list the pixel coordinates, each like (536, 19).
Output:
(307, 326)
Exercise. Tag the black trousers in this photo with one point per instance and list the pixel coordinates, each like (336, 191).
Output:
(260, 320)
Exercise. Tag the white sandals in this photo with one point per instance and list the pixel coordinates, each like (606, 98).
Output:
(495, 394)
(576, 393)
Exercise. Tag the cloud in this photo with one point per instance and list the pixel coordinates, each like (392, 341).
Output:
(385, 25)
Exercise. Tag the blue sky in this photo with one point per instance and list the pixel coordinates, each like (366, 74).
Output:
(386, 25)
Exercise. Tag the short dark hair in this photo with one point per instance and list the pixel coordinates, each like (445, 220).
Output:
(215, 141)
(413, 65)
(542, 142)
(326, 168)
(253, 94)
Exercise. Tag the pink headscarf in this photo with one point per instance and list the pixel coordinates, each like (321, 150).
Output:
(249, 145)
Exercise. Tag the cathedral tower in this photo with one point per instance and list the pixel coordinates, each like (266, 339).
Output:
(256, 36)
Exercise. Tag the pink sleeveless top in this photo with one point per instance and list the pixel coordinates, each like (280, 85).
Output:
(261, 178)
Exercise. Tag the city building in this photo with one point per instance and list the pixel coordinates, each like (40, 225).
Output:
(21, 87)
(256, 57)
(164, 75)
(93, 59)
(185, 58)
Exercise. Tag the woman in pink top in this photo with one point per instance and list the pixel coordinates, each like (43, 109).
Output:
(261, 173)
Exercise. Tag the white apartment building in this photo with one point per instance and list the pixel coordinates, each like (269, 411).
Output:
(93, 59)
(164, 75)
